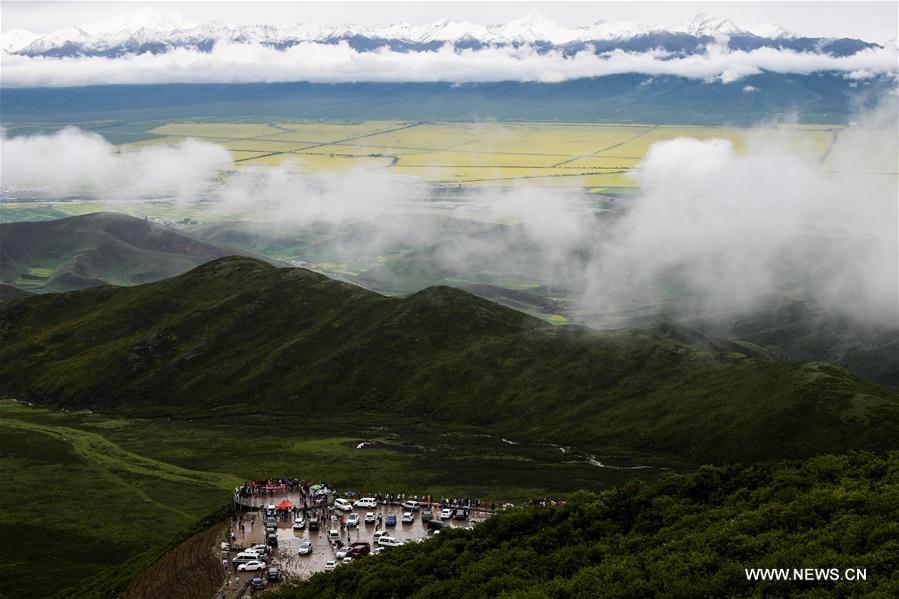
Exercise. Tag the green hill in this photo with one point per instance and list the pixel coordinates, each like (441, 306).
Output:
(689, 536)
(239, 335)
(97, 249)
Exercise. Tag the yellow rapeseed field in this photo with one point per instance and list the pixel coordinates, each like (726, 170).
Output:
(579, 155)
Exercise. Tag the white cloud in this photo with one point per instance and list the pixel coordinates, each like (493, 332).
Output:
(316, 62)
(75, 161)
(750, 88)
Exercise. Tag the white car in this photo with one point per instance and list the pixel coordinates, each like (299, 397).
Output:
(370, 518)
(348, 559)
(344, 551)
(299, 523)
(376, 550)
(333, 534)
(343, 505)
(386, 541)
(259, 550)
(412, 506)
(252, 566)
(408, 517)
(378, 534)
(366, 502)
(352, 520)
(446, 513)
(330, 565)
(305, 548)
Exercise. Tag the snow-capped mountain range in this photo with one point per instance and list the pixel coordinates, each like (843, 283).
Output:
(149, 31)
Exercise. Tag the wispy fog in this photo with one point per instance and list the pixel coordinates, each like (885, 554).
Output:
(712, 231)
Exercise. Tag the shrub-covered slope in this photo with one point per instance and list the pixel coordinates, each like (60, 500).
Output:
(689, 536)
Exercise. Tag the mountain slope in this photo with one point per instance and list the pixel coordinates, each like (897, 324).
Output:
(236, 334)
(97, 249)
(159, 34)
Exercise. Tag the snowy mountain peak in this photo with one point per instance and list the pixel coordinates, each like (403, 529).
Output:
(706, 25)
(771, 31)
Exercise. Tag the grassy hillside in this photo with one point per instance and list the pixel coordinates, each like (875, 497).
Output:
(690, 536)
(97, 249)
(237, 335)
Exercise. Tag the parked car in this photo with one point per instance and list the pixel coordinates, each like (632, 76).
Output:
(366, 502)
(299, 523)
(360, 549)
(390, 520)
(343, 505)
(377, 536)
(245, 557)
(330, 565)
(344, 551)
(412, 506)
(352, 520)
(370, 517)
(408, 517)
(273, 574)
(333, 534)
(427, 515)
(389, 542)
(460, 514)
(313, 523)
(258, 584)
(377, 550)
(305, 548)
(252, 566)
(446, 513)
(436, 525)
(347, 559)
(260, 549)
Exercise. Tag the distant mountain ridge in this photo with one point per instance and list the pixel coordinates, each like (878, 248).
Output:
(154, 33)
(98, 249)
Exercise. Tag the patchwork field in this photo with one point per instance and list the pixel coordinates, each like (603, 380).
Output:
(596, 157)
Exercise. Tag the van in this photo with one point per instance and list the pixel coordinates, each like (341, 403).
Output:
(342, 504)
(333, 534)
(367, 502)
(246, 556)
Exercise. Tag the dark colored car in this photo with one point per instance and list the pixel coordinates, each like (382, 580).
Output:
(390, 521)
(273, 575)
(436, 525)
(257, 583)
(313, 523)
(460, 514)
(360, 549)
(272, 540)
(271, 522)
(427, 515)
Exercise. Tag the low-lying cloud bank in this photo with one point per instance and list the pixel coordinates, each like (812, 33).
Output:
(336, 63)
